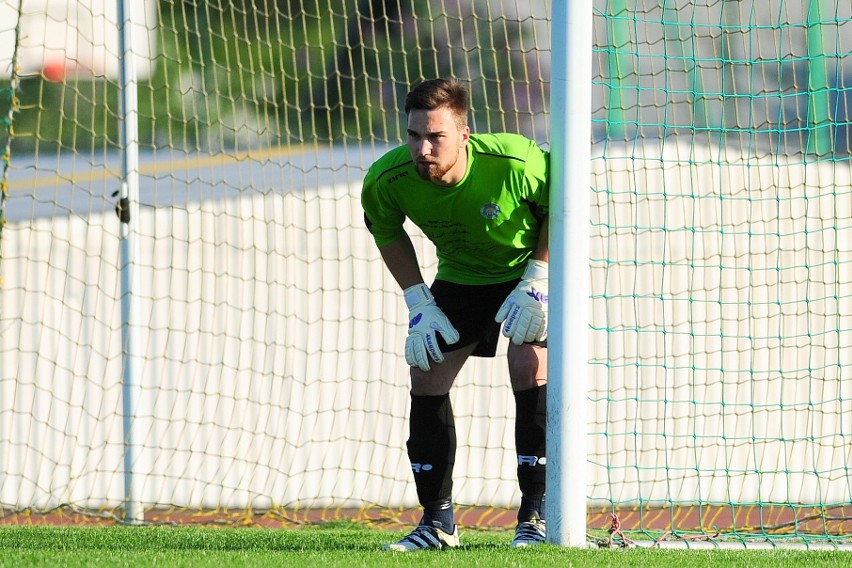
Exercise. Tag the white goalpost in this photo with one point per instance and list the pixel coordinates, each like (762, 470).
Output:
(568, 362)
(231, 349)
(128, 205)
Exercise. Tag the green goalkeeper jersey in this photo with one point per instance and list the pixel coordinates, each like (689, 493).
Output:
(485, 227)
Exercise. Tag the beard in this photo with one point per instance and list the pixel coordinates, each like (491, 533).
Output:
(433, 171)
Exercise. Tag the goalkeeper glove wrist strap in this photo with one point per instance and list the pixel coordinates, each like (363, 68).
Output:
(417, 295)
(536, 270)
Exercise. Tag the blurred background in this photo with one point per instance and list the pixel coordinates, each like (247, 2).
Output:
(256, 73)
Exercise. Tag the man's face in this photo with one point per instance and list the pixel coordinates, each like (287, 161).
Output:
(437, 145)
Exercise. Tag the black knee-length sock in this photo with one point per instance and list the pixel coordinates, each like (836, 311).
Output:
(432, 451)
(530, 430)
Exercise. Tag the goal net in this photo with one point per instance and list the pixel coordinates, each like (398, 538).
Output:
(273, 384)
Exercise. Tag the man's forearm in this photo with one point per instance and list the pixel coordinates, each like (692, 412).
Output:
(401, 260)
(542, 251)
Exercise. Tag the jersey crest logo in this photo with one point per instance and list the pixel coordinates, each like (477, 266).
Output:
(490, 211)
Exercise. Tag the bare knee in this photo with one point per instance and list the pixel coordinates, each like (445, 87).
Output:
(527, 366)
(431, 383)
(439, 379)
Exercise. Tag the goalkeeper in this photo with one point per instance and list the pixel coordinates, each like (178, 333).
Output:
(482, 200)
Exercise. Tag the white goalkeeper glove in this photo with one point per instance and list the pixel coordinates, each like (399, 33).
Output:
(425, 319)
(525, 310)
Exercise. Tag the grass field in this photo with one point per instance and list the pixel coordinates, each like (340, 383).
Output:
(339, 544)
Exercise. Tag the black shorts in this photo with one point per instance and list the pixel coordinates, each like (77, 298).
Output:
(471, 309)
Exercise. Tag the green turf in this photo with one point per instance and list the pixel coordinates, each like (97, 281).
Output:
(338, 545)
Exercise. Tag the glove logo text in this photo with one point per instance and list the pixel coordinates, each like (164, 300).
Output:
(537, 296)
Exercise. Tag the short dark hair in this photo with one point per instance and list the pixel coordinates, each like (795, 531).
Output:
(439, 93)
